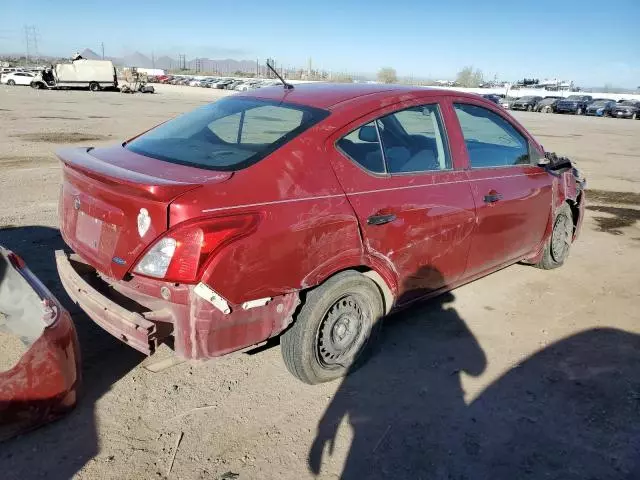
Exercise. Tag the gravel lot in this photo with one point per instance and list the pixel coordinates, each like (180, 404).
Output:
(522, 374)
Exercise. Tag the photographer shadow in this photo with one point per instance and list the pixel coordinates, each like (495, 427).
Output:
(570, 411)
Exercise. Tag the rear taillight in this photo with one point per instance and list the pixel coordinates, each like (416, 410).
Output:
(183, 252)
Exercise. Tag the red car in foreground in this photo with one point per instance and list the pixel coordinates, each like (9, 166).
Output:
(40, 358)
(309, 212)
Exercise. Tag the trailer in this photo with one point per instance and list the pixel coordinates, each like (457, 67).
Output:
(80, 73)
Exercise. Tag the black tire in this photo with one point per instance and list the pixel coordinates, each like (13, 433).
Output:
(35, 85)
(11, 83)
(556, 250)
(547, 109)
(312, 349)
(94, 86)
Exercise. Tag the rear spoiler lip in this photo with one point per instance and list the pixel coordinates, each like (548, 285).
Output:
(149, 186)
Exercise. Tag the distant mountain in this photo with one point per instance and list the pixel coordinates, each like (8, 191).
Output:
(90, 54)
(137, 59)
(166, 63)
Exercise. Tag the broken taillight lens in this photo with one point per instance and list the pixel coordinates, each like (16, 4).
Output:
(183, 252)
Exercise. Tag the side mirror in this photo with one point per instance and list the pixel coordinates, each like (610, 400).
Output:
(368, 133)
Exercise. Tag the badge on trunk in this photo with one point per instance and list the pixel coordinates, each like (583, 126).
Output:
(144, 222)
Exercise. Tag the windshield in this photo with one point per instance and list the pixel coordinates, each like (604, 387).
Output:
(600, 103)
(527, 99)
(574, 97)
(628, 103)
(229, 134)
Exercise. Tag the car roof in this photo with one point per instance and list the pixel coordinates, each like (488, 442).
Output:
(328, 95)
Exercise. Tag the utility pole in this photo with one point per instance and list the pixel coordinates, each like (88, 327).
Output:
(27, 40)
(102, 46)
(153, 60)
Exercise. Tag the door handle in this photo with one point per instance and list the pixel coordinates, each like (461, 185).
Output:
(381, 219)
(492, 197)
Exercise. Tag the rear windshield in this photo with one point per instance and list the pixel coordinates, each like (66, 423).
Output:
(230, 134)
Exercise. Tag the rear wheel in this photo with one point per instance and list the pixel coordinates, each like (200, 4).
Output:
(94, 86)
(556, 250)
(11, 83)
(547, 109)
(335, 329)
(529, 108)
(579, 111)
(634, 116)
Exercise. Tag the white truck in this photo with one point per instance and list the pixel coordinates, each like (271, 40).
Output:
(92, 74)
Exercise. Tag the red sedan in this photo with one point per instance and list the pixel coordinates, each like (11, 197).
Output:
(309, 212)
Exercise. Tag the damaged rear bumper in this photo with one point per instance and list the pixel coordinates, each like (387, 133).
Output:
(43, 384)
(130, 327)
(144, 312)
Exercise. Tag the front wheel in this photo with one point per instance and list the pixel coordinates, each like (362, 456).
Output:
(335, 329)
(556, 249)
(529, 108)
(11, 83)
(634, 116)
(94, 86)
(547, 109)
(579, 111)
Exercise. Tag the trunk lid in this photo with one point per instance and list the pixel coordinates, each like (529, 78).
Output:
(114, 203)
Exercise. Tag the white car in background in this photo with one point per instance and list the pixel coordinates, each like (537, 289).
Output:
(17, 78)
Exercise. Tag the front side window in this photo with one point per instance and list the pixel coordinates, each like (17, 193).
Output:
(491, 140)
(408, 141)
(229, 134)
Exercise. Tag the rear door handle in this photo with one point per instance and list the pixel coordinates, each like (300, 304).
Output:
(492, 197)
(381, 219)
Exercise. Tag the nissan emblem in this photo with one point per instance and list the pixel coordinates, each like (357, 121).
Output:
(76, 203)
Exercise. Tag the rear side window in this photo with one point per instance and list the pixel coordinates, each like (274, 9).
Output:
(407, 141)
(363, 146)
(229, 134)
(490, 139)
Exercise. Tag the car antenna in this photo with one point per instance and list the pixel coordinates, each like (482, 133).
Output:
(287, 86)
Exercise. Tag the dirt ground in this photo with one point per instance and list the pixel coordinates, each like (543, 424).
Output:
(522, 374)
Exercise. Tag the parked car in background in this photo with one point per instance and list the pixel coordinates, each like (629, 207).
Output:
(627, 109)
(576, 104)
(507, 102)
(238, 186)
(17, 78)
(547, 104)
(250, 85)
(527, 103)
(493, 97)
(601, 107)
(233, 84)
(222, 84)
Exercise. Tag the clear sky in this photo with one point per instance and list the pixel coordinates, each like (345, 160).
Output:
(592, 43)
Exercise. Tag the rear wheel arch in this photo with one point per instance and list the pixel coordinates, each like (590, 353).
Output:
(386, 290)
